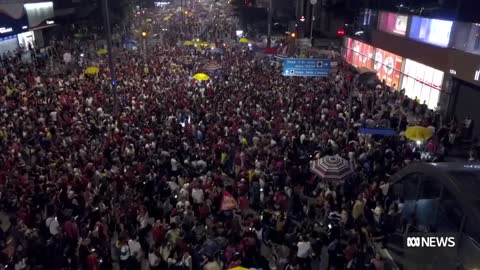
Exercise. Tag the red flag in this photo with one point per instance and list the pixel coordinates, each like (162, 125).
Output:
(228, 202)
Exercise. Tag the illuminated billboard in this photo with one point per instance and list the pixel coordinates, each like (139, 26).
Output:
(388, 67)
(393, 23)
(40, 14)
(431, 31)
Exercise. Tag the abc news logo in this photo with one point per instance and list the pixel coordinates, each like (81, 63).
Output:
(430, 242)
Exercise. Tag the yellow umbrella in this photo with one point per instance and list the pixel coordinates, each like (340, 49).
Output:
(244, 40)
(238, 268)
(92, 70)
(102, 52)
(201, 77)
(188, 43)
(418, 133)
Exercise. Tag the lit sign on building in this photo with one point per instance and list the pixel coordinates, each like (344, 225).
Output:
(157, 4)
(4, 30)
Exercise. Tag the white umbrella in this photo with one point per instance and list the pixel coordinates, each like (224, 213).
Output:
(331, 168)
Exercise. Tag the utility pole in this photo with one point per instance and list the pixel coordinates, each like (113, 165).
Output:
(351, 87)
(269, 30)
(144, 41)
(110, 56)
(312, 18)
(183, 17)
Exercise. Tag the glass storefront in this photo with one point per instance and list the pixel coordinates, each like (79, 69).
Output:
(26, 39)
(362, 54)
(419, 81)
(422, 82)
(388, 67)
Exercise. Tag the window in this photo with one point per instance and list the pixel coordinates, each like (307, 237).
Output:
(430, 189)
(410, 183)
(428, 200)
(411, 186)
(450, 214)
(396, 191)
(467, 37)
(476, 46)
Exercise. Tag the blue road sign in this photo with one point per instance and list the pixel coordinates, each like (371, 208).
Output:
(306, 67)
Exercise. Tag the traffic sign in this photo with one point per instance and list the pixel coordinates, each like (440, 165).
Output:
(306, 67)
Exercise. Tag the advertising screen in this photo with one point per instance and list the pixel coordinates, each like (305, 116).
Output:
(431, 31)
(422, 82)
(388, 67)
(393, 23)
(362, 54)
(466, 37)
(39, 13)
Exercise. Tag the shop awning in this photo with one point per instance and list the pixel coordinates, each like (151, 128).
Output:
(364, 70)
(42, 27)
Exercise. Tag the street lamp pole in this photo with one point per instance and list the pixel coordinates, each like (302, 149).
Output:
(312, 18)
(145, 57)
(183, 17)
(110, 56)
(269, 30)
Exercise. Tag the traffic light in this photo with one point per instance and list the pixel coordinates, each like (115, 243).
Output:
(340, 32)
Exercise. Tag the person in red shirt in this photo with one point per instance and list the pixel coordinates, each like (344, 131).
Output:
(70, 230)
(350, 251)
(243, 202)
(92, 261)
(158, 231)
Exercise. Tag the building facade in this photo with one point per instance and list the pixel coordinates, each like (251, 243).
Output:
(435, 61)
(22, 24)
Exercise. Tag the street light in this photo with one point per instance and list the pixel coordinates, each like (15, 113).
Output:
(293, 35)
(145, 36)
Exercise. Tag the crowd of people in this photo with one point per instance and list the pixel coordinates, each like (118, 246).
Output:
(82, 188)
